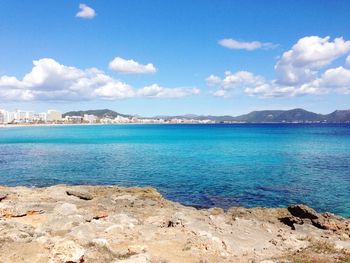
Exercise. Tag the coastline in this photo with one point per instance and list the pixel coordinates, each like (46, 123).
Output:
(2, 126)
(115, 224)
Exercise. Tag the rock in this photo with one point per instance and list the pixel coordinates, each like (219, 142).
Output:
(100, 214)
(2, 196)
(332, 224)
(216, 211)
(66, 209)
(303, 211)
(123, 221)
(66, 251)
(291, 220)
(141, 258)
(138, 225)
(80, 194)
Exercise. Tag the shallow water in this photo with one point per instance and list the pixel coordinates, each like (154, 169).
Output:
(204, 165)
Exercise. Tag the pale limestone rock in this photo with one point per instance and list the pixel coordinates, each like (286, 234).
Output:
(65, 251)
(142, 258)
(66, 209)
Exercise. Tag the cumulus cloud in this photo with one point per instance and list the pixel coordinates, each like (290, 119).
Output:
(50, 80)
(213, 80)
(309, 54)
(348, 60)
(220, 93)
(231, 81)
(304, 69)
(235, 44)
(156, 91)
(129, 66)
(86, 12)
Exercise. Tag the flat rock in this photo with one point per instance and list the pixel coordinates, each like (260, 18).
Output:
(80, 194)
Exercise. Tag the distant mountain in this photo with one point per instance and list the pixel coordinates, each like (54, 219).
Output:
(295, 115)
(99, 113)
(265, 116)
(196, 117)
(339, 116)
(277, 116)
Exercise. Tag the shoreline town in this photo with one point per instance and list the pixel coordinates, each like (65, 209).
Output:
(54, 117)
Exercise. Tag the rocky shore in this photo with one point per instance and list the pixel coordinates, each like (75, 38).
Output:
(76, 224)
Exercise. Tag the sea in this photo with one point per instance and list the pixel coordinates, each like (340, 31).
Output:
(219, 165)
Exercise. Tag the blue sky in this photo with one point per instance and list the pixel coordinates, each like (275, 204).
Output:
(180, 39)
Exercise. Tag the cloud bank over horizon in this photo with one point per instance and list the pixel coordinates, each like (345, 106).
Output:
(302, 70)
(312, 66)
(52, 81)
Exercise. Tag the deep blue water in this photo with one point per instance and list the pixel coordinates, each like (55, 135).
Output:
(205, 165)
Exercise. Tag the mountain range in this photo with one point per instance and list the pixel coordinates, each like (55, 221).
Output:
(265, 116)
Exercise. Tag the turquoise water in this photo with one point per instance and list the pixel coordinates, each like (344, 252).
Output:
(204, 165)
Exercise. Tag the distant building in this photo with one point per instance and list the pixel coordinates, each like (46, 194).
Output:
(3, 115)
(106, 120)
(53, 115)
(41, 117)
(73, 119)
(20, 116)
(90, 118)
(11, 117)
(121, 119)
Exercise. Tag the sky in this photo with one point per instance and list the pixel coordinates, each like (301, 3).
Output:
(175, 57)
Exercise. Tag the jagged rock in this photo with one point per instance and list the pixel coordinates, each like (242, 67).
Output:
(332, 223)
(303, 211)
(80, 194)
(291, 220)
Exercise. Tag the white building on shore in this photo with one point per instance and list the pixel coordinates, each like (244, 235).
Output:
(21, 116)
(90, 118)
(53, 115)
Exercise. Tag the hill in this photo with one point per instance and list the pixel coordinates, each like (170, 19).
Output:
(295, 115)
(99, 113)
(339, 116)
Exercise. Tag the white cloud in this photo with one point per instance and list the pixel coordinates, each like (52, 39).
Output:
(348, 60)
(235, 44)
(220, 93)
(85, 12)
(50, 80)
(234, 80)
(299, 72)
(156, 91)
(213, 80)
(336, 78)
(130, 66)
(309, 54)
